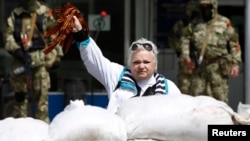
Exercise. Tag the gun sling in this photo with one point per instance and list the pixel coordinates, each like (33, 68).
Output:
(204, 45)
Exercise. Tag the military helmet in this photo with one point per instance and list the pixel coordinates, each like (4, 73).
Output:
(29, 5)
(209, 8)
(214, 3)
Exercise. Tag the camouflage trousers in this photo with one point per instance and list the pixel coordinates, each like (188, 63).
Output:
(211, 81)
(184, 78)
(40, 87)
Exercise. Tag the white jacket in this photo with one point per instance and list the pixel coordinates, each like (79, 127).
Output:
(108, 74)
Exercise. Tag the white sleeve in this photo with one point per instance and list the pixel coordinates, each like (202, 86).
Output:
(105, 71)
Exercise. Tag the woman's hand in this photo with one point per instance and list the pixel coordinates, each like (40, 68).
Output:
(78, 25)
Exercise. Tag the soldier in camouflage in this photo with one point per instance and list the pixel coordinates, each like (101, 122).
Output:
(192, 15)
(18, 24)
(222, 52)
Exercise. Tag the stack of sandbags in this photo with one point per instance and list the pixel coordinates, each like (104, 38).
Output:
(79, 122)
(173, 117)
(243, 111)
(23, 129)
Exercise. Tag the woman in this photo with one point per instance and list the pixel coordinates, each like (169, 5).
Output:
(139, 78)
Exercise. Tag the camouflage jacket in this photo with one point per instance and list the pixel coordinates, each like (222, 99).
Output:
(222, 42)
(44, 21)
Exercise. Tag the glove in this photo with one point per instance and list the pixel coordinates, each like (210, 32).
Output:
(18, 54)
(81, 35)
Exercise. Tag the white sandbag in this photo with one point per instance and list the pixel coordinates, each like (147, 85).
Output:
(244, 110)
(23, 129)
(243, 114)
(173, 117)
(79, 122)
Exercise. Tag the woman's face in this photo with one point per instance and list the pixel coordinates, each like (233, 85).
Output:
(143, 64)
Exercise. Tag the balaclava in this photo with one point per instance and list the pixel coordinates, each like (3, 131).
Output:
(208, 9)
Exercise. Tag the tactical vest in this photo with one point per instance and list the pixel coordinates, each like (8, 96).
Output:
(37, 39)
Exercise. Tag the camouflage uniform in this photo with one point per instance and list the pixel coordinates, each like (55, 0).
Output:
(192, 15)
(222, 54)
(40, 63)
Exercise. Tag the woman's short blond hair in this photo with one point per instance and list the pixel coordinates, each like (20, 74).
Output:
(142, 41)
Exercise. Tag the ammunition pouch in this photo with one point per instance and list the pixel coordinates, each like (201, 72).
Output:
(224, 63)
(207, 62)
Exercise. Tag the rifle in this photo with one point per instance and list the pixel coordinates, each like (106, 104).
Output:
(28, 75)
(26, 43)
(204, 45)
(194, 55)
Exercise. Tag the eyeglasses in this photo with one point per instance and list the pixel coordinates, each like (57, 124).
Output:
(146, 46)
